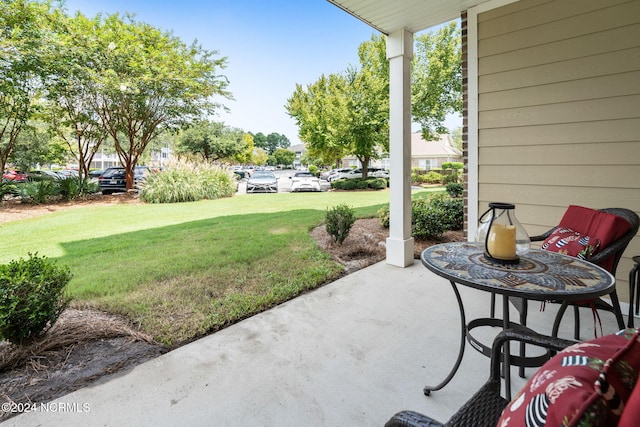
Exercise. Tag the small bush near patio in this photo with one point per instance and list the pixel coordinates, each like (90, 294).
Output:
(452, 210)
(188, 182)
(432, 216)
(31, 297)
(339, 221)
(427, 222)
(455, 189)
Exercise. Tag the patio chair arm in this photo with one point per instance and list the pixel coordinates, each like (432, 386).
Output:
(609, 251)
(542, 237)
(527, 337)
(412, 419)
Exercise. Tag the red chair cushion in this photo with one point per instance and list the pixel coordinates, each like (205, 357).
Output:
(631, 414)
(595, 228)
(587, 384)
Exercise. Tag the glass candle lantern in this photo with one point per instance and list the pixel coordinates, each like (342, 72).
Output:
(504, 238)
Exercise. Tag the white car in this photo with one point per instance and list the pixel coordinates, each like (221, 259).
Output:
(262, 182)
(357, 173)
(335, 173)
(304, 181)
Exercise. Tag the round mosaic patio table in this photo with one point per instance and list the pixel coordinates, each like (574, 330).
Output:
(539, 275)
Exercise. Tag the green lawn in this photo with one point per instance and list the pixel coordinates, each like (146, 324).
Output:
(183, 270)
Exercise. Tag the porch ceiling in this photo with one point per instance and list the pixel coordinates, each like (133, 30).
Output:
(414, 15)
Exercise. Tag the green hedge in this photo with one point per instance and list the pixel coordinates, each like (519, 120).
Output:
(360, 184)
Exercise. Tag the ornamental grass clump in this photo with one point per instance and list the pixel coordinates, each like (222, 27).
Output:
(188, 182)
(32, 297)
(339, 221)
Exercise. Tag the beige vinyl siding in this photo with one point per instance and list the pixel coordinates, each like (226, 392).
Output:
(559, 110)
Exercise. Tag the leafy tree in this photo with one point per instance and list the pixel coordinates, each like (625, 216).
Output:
(260, 140)
(70, 90)
(283, 157)
(275, 141)
(367, 126)
(271, 142)
(260, 157)
(348, 113)
(35, 145)
(148, 82)
(436, 79)
(246, 156)
(22, 39)
(212, 140)
(456, 135)
(310, 160)
(315, 108)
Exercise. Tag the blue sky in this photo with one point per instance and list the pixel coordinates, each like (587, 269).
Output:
(270, 46)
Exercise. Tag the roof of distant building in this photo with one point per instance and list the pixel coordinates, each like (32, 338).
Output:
(439, 148)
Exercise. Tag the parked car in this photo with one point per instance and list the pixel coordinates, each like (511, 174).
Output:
(357, 173)
(39, 175)
(262, 182)
(248, 171)
(14, 175)
(67, 173)
(115, 180)
(336, 172)
(304, 181)
(96, 173)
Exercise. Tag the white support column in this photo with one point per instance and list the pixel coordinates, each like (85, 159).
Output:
(400, 241)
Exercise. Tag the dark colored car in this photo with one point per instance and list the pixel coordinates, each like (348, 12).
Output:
(96, 173)
(262, 182)
(114, 180)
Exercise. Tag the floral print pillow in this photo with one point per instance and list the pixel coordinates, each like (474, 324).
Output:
(587, 384)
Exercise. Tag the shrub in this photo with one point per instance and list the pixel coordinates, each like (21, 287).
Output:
(31, 297)
(384, 215)
(431, 177)
(360, 184)
(377, 183)
(314, 170)
(338, 222)
(72, 188)
(427, 221)
(188, 182)
(451, 178)
(7, 188)
(455, 189)
(431, 217)
(452, 210)
(38, 192)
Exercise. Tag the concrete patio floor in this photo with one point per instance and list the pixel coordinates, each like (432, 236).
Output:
(353, 352)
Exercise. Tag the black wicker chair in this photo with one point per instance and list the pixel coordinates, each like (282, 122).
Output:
(486, 405)
(615, 249)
